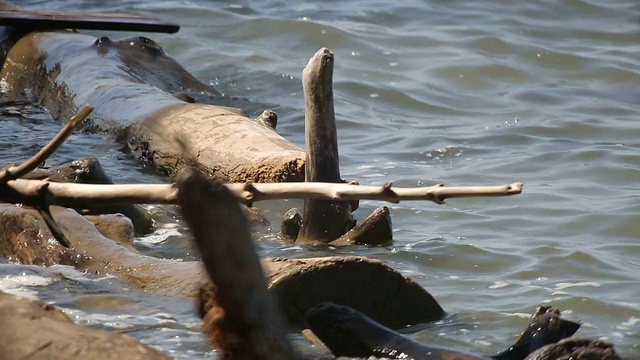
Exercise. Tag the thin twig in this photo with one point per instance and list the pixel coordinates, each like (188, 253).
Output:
(69, 194)
(15, 172)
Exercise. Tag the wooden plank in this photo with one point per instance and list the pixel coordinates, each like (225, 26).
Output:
(84, 20)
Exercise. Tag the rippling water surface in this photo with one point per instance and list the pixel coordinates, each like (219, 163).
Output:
(459, 92)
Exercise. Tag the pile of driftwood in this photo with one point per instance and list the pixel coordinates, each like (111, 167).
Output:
(248, 305)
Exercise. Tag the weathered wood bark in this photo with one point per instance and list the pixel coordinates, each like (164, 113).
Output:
(247, 323)
(362, 283)
(131, 83)
(321, 220)
(39, 331)
(29, 191)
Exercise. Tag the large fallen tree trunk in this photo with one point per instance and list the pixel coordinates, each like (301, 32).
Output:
(132, 83)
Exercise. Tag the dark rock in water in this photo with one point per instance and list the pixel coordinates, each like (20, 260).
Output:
(376, 229)
(348, 332)
(25, 238)
(576, 349)
(89, 171)
(39, 331)
(184, 97)
(268, 118)
(291, 223)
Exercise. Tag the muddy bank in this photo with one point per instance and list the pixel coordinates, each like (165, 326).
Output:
(58, 337)
(138, 94)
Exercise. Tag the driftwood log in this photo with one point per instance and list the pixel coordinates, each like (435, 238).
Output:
(131, 83)
(298, 283)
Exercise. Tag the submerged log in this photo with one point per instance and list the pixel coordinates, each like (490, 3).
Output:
(131, 83)
(297, 283)
(348, 332)
(39, 331)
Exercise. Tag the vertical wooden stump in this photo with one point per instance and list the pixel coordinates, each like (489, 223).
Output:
(240, 313)
(322, 220)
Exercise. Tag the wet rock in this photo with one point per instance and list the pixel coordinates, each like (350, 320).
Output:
(29, 241)
(376, 229)
(41, 331)
(89, 171)
(576, 348)
(25, 238)
(254, 215)
(290, 226)
(116, 227)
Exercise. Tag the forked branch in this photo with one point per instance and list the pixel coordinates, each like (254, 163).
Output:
(15, 172)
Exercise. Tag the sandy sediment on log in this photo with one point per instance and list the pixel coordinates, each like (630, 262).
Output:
(217, 140)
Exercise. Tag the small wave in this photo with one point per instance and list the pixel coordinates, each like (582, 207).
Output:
(565, 285)
(17, 285)
(160, 235)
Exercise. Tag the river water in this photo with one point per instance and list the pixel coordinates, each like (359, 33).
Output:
(459, 92)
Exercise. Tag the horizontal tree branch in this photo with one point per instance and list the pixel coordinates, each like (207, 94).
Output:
(76, 195)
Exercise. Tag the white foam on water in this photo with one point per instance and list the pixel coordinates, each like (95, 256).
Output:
(499, 285)
(483, 343)
(520, 315)
(565, 285)
(15, 284)
(118, 321)
(633, 321)
(160, 235)
(72, 273)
